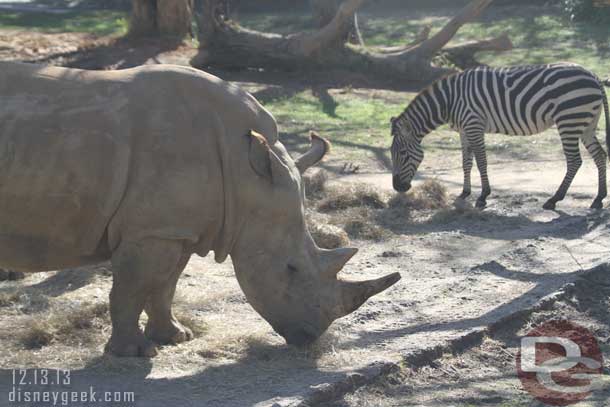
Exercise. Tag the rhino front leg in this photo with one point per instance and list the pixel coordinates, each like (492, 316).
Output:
(162, 326)
(138, 269)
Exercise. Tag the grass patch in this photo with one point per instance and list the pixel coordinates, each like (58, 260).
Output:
(99, 22)
(357, 123)
(354, 122)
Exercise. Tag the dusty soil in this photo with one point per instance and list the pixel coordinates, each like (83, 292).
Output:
(463, 271)
(484, 375)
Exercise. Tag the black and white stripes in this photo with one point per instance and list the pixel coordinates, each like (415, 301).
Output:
(516, 101)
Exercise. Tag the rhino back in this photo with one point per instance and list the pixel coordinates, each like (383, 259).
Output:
(189, 155)
(64, 154)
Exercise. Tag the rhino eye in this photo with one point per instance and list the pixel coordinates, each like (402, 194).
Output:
(292, 269)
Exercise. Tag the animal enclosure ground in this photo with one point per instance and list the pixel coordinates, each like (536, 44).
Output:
(463, 271)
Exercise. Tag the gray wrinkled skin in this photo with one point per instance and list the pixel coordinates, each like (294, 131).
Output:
(147, 166)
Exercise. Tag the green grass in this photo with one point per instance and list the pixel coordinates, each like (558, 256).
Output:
(357, 124)
(92, 22)
(352, 123)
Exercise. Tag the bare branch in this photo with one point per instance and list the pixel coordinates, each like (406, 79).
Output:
(333, 31)
(421, 37)
(501, 43)
(463, 55)
(466, 15)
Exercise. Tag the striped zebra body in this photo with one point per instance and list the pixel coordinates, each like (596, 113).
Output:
(517, 101)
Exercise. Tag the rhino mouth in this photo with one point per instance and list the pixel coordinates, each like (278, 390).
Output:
(302, 336)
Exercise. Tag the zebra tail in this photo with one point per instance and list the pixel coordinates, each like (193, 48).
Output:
(607, 111)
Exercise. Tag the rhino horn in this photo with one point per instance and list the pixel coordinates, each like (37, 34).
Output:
(332, 261)
(319, 148)
(354, 294)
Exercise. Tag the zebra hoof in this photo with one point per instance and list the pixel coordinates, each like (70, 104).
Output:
(597, 204)
(549, 205)
(481, 204)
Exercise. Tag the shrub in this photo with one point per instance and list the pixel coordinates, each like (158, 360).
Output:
(586, 10)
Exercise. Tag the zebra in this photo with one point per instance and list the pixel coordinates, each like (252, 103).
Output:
(519, 100)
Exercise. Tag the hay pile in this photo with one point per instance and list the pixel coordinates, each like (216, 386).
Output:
(76, 326)
(359, 211)
(339, 198)
(328, 236)
(429, 195)
(314, 182)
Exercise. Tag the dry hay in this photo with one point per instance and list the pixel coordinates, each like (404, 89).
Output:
(361, 223)
(429, 195)
(354, 195)
(70, 326)
(328, 236)
(364, 213)
(189, 319)
(314, 183)
(8, 299)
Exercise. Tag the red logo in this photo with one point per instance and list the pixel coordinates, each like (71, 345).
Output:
(559, 363)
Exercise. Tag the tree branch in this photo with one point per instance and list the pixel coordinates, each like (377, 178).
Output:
(334, 31)
(463, 55)
(422, 36)
(501, 43)
(440, 39)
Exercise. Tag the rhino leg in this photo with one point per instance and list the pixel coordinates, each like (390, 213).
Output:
(162, 326)
(138, 269)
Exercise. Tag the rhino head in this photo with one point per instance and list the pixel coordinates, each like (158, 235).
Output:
(286, 277)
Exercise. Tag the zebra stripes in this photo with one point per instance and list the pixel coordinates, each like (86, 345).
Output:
(523, 101)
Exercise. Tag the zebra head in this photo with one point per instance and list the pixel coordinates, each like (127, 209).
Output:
(407, 153)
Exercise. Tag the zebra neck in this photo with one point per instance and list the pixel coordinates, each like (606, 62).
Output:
(427, 112)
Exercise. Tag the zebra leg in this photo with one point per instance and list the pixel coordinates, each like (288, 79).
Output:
(599, 156)
(477, 146)
(467, 166)
(574, 161)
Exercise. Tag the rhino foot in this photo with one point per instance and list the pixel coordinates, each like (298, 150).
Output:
(135, 346)
(171, 333)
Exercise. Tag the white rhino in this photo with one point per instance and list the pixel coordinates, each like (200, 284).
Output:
(147, 166)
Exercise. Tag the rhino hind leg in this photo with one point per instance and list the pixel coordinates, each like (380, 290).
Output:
(162, 326)
(139, 268)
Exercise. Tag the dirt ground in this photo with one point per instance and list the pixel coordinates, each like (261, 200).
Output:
(446, 334)
(463, 271)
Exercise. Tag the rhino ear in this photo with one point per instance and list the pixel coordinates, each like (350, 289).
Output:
(266, 163)
(259, 155)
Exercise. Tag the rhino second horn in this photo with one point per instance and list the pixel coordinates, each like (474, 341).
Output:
(354, 294)
(317, 151)
(332, 261)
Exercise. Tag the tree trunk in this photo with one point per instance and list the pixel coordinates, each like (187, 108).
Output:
(175, 17)
(161, 17)
(323, 13)
(143, 17)
(227, 45)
